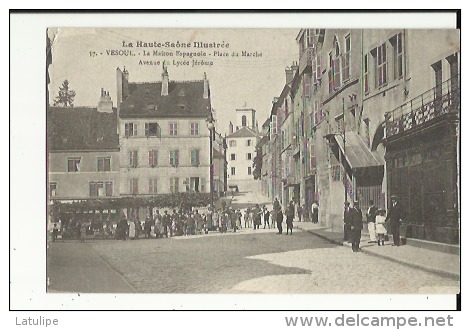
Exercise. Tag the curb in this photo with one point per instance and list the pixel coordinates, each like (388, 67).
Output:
(439, 272)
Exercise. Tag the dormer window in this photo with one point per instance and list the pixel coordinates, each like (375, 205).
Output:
(181, 107)
(181, 93)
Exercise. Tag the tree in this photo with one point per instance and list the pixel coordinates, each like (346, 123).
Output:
(257, 164)
(65, 97)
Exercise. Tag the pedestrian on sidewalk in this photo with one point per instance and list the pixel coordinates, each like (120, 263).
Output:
(356, 227)
(300, 211)
(315, 212)
(233, 220)
(395, 215)
(157, 230)
(347, 222)
(371, 214)
(246, 217)
(257, 213)
(266, 217)
(132, 229)
(147, 227)
(279, 218)
(83, 227)
(380, 226)
(290, 217)
(166, 223)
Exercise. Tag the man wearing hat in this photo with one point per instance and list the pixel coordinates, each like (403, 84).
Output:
(347, 222)
(395, 215)
(356, 226)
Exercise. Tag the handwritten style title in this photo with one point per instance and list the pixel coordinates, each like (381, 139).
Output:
(177, 44)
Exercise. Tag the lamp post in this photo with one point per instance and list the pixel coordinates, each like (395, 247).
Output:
(210, 126)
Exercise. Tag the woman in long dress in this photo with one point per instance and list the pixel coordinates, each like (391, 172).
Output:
(132, 229)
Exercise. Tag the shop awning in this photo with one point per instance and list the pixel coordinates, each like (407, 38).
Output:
(358, 155)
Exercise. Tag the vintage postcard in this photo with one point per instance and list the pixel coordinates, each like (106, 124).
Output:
(291, 161)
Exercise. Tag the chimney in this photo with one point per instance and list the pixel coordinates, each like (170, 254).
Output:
(289, 75)
(105, 103)
(206, 87)
(230, 127)
(125, 84)
(165, 79)
(119, 77)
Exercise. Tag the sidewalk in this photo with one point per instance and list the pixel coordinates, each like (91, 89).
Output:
(443, 264)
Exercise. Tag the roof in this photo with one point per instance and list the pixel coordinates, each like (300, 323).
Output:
(81, 128)
(358, 154)
(243, 132)
(185, 99)
(266, 122)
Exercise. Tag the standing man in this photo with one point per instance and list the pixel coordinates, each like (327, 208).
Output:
(371, 213)
(279, 218)
(233, 220)
(266, 217)
(347, 222)
(147, 226)
(166, 222)
(356, 226)
(395, 214)
(290, 217)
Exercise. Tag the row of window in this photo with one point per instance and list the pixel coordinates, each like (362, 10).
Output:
(234, 172)
(234, 156)
(154, 129)
(191, 184)
(233, 143)
(105, 188)
(377, 68)
(174, 158)
(378, 75)
(103, 164)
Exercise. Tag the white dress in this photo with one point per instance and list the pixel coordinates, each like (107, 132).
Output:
(132, 229)
(380, 224)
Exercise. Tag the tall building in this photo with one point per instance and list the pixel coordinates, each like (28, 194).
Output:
(241, 150)
(164, 135)
(368, 114)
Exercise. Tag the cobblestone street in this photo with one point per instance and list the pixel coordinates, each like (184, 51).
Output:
(244, 262)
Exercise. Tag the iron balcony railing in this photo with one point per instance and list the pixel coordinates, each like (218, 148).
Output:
(431, 104)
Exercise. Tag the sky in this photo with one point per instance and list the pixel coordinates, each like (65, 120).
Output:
(80, 55)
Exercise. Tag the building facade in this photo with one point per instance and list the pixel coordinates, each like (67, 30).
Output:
(83, 152)
(372, 113)
(241, 150)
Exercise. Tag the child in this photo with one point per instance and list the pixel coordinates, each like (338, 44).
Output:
(380, 226)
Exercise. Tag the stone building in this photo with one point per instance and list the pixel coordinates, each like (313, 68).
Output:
(241, 150)
(372, 113)
(164, 135)
(83, 152)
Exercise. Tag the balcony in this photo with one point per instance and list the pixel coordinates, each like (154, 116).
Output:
(306, 60)
(433, 103)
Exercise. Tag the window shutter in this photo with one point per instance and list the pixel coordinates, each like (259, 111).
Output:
(147, 131)
(203, 184)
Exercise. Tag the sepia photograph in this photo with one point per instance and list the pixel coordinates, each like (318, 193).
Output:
(253, 161)
(240, 168)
